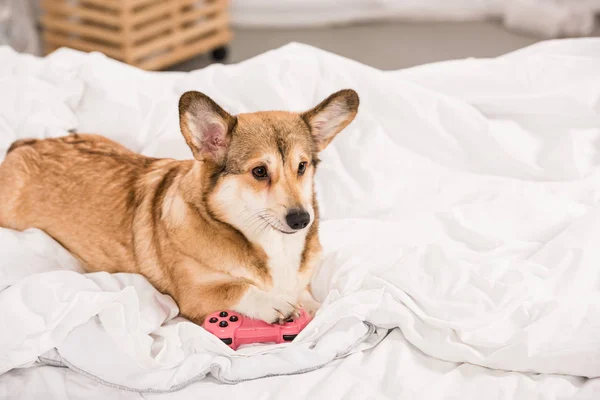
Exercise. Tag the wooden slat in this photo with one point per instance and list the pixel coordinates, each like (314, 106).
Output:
(102, 17)
(147, 48)
(185, 17)
(182, 35)
(175, 25)
(63, 25)
(221, 38)
(202, 12)
(141, 17)
(111, 4)
(142, 3)
(185, 3)
(151, 30)
(127, 25)
(215, 23)
(58, 40)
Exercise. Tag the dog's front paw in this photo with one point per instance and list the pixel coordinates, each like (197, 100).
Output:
(269, 307)
(286, 307)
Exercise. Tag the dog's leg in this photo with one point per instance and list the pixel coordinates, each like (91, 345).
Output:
(197, 301)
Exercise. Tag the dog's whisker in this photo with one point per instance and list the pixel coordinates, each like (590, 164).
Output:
(254, 219)
(257, 223)
(263, 224)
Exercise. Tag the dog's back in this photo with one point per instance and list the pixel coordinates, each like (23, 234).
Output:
(43, 184)
(13, 179)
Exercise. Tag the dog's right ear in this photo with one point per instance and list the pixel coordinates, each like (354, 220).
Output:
(206, 127)
(331, 116)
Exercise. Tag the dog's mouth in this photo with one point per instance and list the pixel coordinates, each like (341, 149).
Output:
(282, 231)
(276, 225)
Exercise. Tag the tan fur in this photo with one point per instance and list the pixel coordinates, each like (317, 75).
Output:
(119, 211)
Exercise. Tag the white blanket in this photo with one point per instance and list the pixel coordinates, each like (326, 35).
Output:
(460, 207)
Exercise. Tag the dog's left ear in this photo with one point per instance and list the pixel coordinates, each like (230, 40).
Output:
(331, 116)
(206, 127)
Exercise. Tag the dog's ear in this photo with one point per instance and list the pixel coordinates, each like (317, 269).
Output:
(206, 127)
(331, 116)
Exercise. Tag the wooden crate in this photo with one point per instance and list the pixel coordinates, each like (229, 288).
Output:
(150, 34)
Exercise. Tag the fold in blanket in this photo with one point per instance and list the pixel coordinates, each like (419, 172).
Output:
(460, 207)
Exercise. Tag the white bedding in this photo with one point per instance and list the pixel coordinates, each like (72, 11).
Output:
(460, 207)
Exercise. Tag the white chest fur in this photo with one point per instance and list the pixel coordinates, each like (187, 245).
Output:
(284, 254)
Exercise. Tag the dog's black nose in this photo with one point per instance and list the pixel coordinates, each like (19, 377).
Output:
(297, 219)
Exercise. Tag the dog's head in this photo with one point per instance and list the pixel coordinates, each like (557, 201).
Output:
(258, 168)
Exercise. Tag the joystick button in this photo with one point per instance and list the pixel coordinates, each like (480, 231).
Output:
(223, 324)
(213, 320)
(233, 318)
(223, 314)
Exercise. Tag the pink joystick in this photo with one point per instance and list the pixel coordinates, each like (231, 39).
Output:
(235, 330)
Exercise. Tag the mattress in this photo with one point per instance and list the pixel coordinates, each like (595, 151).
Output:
(460, 223)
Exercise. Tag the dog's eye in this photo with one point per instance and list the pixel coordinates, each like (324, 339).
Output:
(260, 172)
(302, 167)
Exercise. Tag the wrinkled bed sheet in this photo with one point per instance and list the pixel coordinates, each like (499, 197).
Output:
(461, 223)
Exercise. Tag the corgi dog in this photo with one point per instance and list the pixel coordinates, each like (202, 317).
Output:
(235, 228)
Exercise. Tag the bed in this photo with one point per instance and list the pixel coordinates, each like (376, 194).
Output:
(460, 226)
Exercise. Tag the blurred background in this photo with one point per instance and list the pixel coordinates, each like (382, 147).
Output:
(184, 35)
